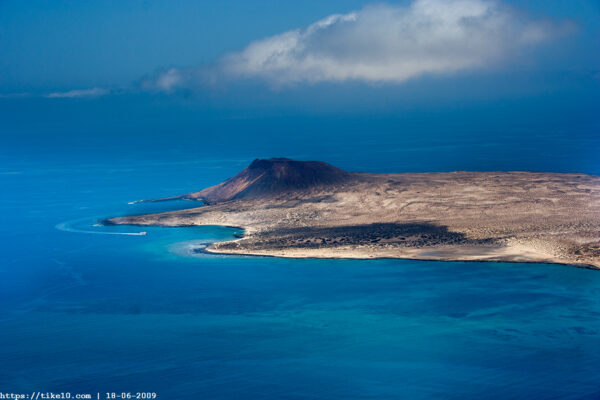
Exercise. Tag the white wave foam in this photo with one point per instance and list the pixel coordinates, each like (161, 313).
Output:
(67, 227)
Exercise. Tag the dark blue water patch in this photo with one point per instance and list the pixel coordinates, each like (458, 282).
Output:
(268, 327)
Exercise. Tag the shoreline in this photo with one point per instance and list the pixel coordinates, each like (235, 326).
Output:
(209, 250)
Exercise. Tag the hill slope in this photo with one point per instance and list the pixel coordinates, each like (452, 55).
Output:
(271, 176)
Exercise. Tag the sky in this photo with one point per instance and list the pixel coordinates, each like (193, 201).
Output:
(103, 72)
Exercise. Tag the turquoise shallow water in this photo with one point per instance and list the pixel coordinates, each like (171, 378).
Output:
(93, 312)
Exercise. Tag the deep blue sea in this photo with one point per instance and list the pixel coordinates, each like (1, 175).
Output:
(85, 308)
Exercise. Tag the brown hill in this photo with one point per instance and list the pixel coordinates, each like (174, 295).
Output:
(271, 176)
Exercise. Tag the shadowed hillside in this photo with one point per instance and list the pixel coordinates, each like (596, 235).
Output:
(271, 176)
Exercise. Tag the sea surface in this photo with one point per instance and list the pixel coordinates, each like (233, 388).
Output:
(88, 309)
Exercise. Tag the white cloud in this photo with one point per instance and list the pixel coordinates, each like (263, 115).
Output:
(380, 43)
(94, 92)
(166, 81)
(390, 43)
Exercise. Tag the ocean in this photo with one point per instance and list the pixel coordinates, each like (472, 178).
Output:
(92, 309)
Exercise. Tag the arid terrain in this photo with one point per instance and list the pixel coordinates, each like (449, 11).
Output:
(312, 209)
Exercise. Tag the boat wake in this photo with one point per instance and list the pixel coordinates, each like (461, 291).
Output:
(67, 226)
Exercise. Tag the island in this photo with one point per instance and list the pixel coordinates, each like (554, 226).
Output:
(291, 208)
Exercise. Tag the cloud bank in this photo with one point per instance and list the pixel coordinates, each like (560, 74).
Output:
(380, 43)
(71, 94)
